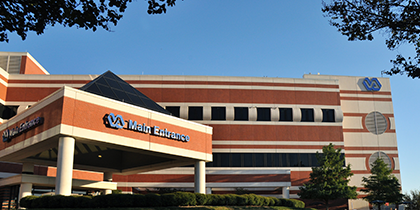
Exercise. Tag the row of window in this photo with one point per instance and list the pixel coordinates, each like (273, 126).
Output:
(263, 113)
(264, 160)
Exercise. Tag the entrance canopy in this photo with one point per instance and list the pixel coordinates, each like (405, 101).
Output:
(110, 135)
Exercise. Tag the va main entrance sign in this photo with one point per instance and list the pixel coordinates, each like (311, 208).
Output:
(117, 122)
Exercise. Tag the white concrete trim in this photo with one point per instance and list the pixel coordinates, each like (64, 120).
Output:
(187, 86)
(208, 184)
(4, 83)
(337, 124)
(266, 105)
(30, 141)
(370, 151)
(4, 73)
(132, 143)
(226, 171)
(250, 150)
(239, 142)
(364, 95)
(50, 182)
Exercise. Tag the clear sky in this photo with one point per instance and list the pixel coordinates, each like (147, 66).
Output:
(232, 38)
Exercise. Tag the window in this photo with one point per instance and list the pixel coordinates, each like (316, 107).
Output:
(174, 110)
(218, 113)
(7, 112)
(286, 114)
(307, 115)
(195, 113)
(263, 114)
(225, 160)
(328, 115)
(237, 160)
(264, 160)
(241, 113)
(248, 160)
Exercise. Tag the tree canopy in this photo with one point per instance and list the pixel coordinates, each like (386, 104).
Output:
(413, 199)
(381, 185)
(399, 20)
(22, 16)
(329, 181)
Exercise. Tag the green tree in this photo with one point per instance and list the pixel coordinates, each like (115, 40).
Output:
(22, 16)
(399, 20)
(412, 200)
(329, 181)
(381, 185)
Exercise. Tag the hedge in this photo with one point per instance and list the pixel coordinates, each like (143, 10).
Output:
(155, 200)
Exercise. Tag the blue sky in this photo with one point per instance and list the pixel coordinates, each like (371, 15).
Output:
(231, 38)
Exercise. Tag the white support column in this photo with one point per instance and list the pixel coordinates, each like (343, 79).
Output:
(63, 181)
(108, 178)
(200, 177)
(25, 190)
(286, 192)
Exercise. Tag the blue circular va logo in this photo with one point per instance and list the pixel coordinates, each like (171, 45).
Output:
(115, 121)
(372, 84)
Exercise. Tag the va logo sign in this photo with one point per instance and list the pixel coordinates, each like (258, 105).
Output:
(116, 121)
(372, 84)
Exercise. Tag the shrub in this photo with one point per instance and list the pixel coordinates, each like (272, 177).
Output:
(83, 202)
(216, 200)
(297, 203)
(251, 199)
(186, 198)
(230, 199)
(27, 201)
(153, 200)
(168, 199)
(259, 200)
(100, 201)
(119, 200)
(201, 199)
(139, 200)
(278, 201)
(242, 200)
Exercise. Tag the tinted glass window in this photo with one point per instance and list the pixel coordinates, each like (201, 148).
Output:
(195, 113)
(236, 160)
(284, 158)
(263, 114)
(218, 113)
(225, 160)
(304, 160)
(174, 110)
(307, 115)
(241, 113)
(7, 112)
(248, 160)
(264, 160)
(259, 159)
(286, 114)
(294, 160)
(328, 115)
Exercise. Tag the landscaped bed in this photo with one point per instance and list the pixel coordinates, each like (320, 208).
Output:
(157, 201)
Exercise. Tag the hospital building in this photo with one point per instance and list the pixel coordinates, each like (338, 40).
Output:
(74, 134)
